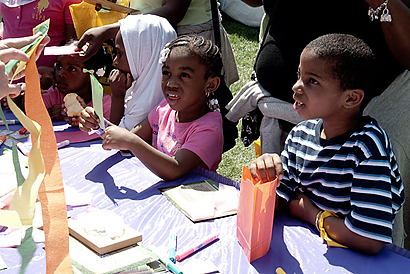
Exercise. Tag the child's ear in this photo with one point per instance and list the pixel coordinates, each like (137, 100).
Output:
(213, 84)
(354, 98)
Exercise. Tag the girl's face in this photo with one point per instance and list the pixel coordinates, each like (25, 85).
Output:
(70, 77)
(317, 93)
(184, 85)
(120, 60)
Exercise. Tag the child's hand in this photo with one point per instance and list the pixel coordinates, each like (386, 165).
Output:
(88, 120)
(75, 120)
(119, 82)
(57, 112)
(116, 137)
(266, 168)
(303, 208)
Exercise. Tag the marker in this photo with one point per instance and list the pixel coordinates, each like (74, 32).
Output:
(23, 149)
(188, 251)
(2, 139)
(63, 144)
(169, 264)
(10, 122)
(22, 130)
(172, 247)
(99, 131)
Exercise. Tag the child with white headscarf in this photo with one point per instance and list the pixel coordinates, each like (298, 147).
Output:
(136, 83)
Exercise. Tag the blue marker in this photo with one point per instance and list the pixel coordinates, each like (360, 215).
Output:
(168, 263)
(172, 247)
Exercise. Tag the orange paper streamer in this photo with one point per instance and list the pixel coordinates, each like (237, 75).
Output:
(51, 191)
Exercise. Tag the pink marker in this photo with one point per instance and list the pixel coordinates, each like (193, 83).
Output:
(188, 251)
(63, 144)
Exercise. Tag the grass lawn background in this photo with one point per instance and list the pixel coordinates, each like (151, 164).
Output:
(244, 42)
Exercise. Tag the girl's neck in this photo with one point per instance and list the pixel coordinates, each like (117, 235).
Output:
(188, 115)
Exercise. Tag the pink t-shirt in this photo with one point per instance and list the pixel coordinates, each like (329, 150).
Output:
(20, 21)
(53, 97)
(204, 136)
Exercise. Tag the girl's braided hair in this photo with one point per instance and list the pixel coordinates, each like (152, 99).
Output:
(205, 50)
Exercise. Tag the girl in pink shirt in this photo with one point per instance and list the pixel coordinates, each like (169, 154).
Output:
(184, 130)
(72, 76)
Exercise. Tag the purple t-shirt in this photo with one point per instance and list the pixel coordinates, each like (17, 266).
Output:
(204, 136)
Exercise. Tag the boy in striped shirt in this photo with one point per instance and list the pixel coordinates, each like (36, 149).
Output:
(337, 171)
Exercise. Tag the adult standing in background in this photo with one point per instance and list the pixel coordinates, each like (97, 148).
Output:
(292, 24)
(186, 16)
(21, 16)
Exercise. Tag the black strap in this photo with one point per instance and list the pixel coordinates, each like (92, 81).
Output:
(215, 21)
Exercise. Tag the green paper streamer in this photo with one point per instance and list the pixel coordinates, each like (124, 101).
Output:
(3, 118)
(17, 168)
(27, 249)
(43, 28)
(97, 95)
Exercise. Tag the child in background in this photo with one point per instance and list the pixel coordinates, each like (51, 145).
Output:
(70, 77)
(182, 129)
(136, 83)
(339, 172)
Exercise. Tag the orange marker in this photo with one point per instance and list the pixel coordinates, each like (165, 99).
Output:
(2, 139)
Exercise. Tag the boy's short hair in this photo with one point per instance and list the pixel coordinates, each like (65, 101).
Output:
(352, 62)
(197, 46)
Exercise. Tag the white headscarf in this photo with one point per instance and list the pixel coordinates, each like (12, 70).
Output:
(143, 36)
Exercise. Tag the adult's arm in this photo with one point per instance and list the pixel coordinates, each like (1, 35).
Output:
(93, 38)
(173, 10)
(397, 32)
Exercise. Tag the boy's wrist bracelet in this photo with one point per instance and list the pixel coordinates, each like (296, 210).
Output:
(317, 219)
(322, 230)
(385, 16)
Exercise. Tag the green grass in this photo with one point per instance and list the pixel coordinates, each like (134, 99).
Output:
(244, 42)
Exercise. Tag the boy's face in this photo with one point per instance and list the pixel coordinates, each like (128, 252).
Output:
(183, 82)
(69, 75)
(120, 60)
(317, 93)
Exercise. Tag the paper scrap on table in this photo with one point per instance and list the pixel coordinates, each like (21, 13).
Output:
(74, 198)
(62, 50)
(75, 136)
(195, 266)
(2, 264)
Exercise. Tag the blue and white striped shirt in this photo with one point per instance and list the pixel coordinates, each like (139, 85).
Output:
(354, 175)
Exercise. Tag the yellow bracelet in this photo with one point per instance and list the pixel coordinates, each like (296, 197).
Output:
(322, 230)
(317, 219)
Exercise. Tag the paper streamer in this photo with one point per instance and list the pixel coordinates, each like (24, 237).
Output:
(51, 192)
(97, 96)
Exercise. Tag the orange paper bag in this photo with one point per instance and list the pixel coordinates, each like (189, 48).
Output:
(255, 215)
